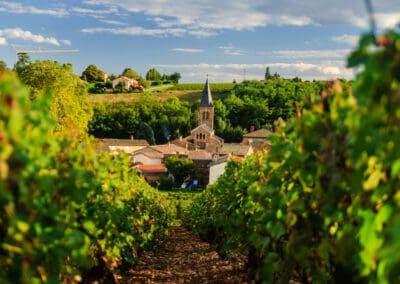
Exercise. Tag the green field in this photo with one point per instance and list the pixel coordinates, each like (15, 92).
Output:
(216, 87)
(184, 95)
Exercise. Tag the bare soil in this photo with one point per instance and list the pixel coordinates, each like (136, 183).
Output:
(185, 258)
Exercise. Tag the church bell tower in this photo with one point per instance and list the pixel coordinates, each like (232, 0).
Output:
(206, 108)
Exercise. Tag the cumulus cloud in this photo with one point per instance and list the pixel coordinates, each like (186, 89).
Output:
(18, 33)
(3, 41)
(188, 50)
(210, 15)
(322, 70)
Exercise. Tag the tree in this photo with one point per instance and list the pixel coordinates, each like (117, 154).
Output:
(153, 75)
(93, 74)
(267, 75)
(175, 77)
(23, 60)
(180, 168)
(70, 102)
(3, 66)
(130, 73)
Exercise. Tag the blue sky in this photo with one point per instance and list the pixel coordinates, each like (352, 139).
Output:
(225, 39)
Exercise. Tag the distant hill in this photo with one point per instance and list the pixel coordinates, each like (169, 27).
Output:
(189, 92)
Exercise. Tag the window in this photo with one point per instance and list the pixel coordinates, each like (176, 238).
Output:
(206, 115)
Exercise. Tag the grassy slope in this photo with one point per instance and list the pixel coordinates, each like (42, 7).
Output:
(185, 95)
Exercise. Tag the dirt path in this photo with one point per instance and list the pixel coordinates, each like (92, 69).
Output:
(184, 258)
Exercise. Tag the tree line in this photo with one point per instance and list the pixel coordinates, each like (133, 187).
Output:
(250, 103)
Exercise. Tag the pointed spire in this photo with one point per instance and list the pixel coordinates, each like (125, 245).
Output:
(206, 98)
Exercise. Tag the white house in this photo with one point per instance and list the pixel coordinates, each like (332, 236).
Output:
(129, 83)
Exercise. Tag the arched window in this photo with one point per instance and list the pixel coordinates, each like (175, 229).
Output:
(206, 115)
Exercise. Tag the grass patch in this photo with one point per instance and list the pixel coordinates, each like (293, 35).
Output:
(186, 96)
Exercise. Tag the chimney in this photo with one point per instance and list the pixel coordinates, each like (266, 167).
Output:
(252, 128)
(132, 137)
(180, 138)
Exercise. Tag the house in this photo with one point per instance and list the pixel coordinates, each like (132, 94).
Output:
(237, 151)
(257, 139)
(152, 155)
(116, 145)
(147, 156)
(152, 173)
(129, 83)
(217, 169)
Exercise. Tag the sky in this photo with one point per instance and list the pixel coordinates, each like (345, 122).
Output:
(228, 40)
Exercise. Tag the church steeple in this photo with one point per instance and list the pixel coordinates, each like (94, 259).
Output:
(206, 108)
(206, 98)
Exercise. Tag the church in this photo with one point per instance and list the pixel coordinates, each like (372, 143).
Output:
(203, 136)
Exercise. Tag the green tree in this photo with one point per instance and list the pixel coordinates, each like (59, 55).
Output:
(130, 73)
(153, 75)
(267, 75)
(3, 66)
(23, 60)
(175, 77)
(93, 74)
(70, 102)
(180, 168)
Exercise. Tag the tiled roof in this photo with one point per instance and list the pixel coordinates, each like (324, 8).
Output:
(103, 145)
(123, 142)
(205, 127)
(235, 149)
(261, 133)
(145, 169)
(169, 149)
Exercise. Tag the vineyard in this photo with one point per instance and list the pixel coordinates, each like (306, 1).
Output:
(321, 206)
(64, 210)
(324, 204)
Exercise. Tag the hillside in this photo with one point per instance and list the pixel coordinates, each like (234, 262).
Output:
(187, 92)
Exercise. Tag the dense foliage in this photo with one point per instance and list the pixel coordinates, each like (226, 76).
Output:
(180, 168)
(69, 99)
(145, 119)
(323, 205)
(251, 103)
(93, 74)
(63, 208)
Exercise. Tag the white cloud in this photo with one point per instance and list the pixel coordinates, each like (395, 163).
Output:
(140, 31)
(18, 8)
(347, 39)
(387, 20)
(211, 15)
(65, 42)
(113, 23)
(322, 70)
(18, 33)
(3, 41)
(188, 50)
(312, 54)
(95, 13)
(231, 50)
